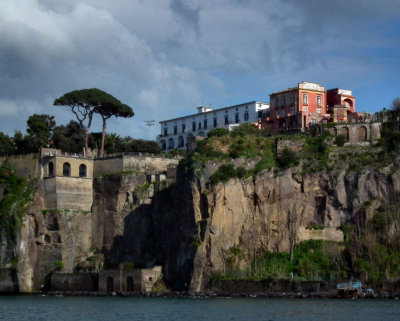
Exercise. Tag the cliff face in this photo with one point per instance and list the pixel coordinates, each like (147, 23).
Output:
(273, 212)
(190, 230)
(186, 227)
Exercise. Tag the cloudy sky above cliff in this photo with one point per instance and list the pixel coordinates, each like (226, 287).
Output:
(165, 58)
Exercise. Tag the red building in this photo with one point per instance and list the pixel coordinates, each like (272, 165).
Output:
(341, 105)
(295, 109)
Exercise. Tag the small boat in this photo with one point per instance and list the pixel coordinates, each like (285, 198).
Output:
(349, 289)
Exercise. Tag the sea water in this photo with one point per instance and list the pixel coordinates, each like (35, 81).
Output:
(35, 308)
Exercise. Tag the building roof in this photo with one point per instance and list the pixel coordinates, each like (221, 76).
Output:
(214, 110)
(299, 87)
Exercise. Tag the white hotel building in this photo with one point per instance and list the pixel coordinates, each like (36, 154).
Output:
(174, 132)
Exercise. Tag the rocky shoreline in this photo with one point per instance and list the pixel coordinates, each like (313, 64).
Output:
(213, 294)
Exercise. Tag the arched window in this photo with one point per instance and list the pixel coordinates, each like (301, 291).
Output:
(66, 169)
(180, 141)
(129, 284)
(82, 170)
(51, 169)
(345, 132)
(362, 134)
(170, 143)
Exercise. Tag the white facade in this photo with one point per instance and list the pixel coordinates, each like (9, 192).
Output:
(174, 132)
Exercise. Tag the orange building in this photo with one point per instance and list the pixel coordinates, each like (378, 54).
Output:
(295, 109)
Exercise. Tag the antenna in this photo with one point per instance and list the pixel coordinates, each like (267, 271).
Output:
(149, 123)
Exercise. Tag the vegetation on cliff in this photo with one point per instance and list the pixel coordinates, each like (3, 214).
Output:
(17, 196)
(371, 244)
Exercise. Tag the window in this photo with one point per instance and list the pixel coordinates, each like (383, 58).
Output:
(193, 126)
(51, 169)
(283, 101)
(318, 110)
(226, 120)
(175, 130)
(237, 118)
(215, 122)
(318, 100)
(292, 98)
(205, 123)
(304, 108)
(66, 169)
(284, 124)
(129, 284)
(82, 170)
(199, 125)
(292, 112)
(259, 114)
(170, 143)
(276, 102)
(283, 112)
(276, 113)
(305, 99)
(166, 131)
(183, 128)
(180, 141)
(246, 115)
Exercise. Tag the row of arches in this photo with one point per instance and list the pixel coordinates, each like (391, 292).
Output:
(170, 143)
(67, 169)
(129, 284)
(359, 134)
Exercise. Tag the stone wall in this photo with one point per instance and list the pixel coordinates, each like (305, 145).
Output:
(108, 165)
(74, 281)
(120, 280)
(275, 287)
(146, 164)
(369, 132)
(68, 193)
(25, 165)
(142, 164)
(128, 280)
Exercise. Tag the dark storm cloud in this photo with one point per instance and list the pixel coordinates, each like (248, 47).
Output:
(188, 15)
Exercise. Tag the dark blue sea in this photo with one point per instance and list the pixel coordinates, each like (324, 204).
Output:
(43, 308)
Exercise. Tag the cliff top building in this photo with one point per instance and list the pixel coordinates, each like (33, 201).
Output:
(174, 132)
(295, 109)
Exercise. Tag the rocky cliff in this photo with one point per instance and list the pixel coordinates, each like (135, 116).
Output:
(188, 227)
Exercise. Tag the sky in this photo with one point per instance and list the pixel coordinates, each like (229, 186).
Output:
(164, 58)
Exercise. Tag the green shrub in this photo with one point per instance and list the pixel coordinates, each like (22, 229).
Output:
(340, 140)
(287, 159)
(244, 130)
(240, 172)
(316, 227)
(267, 162)
(223, 174)
(204, 151)
(59, 265)
(218, 132)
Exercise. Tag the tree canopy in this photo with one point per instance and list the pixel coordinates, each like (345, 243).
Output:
(40, 128)
(112, 108)
(84, 103)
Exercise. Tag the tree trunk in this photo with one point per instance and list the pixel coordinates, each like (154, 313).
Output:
(103, 136)
(86, 141)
